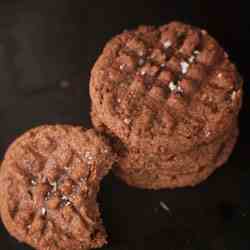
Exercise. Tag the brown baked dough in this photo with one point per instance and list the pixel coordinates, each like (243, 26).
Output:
(164, 91)
(49, 180)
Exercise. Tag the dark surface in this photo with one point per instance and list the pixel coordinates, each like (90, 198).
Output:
(43, 44)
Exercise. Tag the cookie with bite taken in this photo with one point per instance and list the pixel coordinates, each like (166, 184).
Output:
(50, 178)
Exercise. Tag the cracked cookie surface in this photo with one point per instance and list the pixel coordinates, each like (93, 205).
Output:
(50, 178)
(171, 87)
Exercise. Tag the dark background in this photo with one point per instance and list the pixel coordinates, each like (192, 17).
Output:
(47, 49)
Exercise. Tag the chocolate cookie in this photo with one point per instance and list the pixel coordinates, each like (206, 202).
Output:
(49, 180)
(184, 169)
(165, 91)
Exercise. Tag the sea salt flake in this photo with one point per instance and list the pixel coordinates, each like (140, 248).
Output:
(163, 65)
(140, 53)
(122, 66)
(207, 133)
(184, 67)
(65, 198)
(82, 179)
(89, 157)
(172, 86)
(179, 89)
(43, 211)
(165, 207)
(105, 151)
(243, 214)
(196, 52)
(54, 185)
(233, 96)
(204, 32)
(191, 59)
(67, 203)
(141, 61)
(126, 120)
(219, 75)
(167, 44)
(33, 182)
(47, 196)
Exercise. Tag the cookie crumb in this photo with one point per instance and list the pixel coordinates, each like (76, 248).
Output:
(165, 207)
(64, 84)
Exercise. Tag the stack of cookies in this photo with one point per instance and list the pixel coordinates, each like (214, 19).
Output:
(165, 104)
(171, 98)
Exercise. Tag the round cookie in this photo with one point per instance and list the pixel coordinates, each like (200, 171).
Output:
(164, 91)
(49, 180)
(173, 86)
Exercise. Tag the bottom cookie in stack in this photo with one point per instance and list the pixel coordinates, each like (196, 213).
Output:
(155, 171)
(49, 179)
